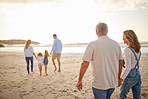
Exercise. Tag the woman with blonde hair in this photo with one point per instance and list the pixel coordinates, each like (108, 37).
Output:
(29, 52)
(131, 77)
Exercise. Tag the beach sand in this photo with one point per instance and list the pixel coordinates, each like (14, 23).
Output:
(15, 83)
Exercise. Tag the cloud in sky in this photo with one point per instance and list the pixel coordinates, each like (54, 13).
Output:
(74, 17)
(111, 4)
(125, 4)
(27, 1)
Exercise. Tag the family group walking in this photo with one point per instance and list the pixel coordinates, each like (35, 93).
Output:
(43, 59)
(107, 61)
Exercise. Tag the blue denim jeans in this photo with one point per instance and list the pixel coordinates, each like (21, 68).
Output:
(27, 60)
(132, 81)
(103, 94)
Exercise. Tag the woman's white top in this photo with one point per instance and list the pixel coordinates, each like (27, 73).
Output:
(40, 59)
(29, 51)
(130, 61)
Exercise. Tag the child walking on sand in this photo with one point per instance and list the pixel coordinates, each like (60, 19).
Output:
(46, 54)
(40, 62)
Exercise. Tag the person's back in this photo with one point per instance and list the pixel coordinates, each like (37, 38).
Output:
(106, 58)
(40, 59)
(58, 47)
(105, 62)
(29, 51)
(57, 50)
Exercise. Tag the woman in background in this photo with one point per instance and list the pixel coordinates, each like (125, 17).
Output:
(29, 52)
(131, 77)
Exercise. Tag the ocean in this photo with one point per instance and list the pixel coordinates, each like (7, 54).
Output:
(67, 48)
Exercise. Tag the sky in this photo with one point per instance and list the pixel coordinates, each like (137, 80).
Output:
(73, 21)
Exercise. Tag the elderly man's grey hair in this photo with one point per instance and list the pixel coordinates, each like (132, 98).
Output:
(101, 28)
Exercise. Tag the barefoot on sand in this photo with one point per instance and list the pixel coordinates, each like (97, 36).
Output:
(59, 70)
(55, 70)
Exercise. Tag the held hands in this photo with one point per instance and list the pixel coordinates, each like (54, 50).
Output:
(120, 81)
(34, 55)
(50, 53)
(79, 85)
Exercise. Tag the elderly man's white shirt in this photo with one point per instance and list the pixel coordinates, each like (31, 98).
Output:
(104, 53)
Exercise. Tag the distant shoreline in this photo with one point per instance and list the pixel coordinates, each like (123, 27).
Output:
(21, 41)
(16, 41)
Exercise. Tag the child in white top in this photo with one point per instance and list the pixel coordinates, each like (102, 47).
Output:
(40, 62)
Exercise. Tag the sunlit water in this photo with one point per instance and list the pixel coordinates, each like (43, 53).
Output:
(67, 49)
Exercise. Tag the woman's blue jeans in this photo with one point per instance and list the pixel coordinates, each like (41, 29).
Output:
(132, 81)
(27, 60)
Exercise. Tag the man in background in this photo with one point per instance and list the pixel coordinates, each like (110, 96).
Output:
(56, 52)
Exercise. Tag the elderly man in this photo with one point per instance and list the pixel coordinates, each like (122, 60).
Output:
(57, 50)
(106, 57)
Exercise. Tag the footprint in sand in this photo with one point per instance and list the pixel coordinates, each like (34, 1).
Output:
(63, 91)
(31, 91)
(23, 93)
(144, 95)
